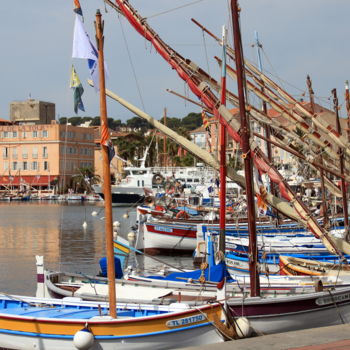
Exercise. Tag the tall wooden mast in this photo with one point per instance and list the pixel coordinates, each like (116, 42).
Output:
(106, 170)
(222, 221)
(248, 166)
(323, 187)
(347, 103)
(165, 158)
(341, 159)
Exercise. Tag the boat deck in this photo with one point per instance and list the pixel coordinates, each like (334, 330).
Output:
(62, 311)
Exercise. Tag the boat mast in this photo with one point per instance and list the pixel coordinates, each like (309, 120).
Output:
(222, 197)
(341, 160)
(165, 160)
(246, 153)
(106, 170)
(264, 109)
(323, 188)
(264, 105)
(347, 101)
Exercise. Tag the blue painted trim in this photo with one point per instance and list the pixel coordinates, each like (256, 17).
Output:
(36, 335)
(101, 337)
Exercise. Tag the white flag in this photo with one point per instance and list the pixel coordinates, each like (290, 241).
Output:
(83, 48)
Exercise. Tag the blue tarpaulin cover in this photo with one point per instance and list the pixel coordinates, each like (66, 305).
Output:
(117, 265)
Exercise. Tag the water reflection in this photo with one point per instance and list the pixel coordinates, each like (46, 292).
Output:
(56, 231)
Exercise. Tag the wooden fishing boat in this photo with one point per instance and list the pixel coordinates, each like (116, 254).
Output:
(269, 263)
(54, 324)
(184, 287)
(293, 266)
(158, 236)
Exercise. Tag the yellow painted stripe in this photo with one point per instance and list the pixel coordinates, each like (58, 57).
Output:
(122, 248)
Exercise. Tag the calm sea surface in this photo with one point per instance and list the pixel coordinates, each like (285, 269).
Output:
(55, 230)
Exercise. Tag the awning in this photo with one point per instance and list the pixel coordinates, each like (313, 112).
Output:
(34, 180)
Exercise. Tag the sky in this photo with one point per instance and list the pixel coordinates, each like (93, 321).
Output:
(299, 37)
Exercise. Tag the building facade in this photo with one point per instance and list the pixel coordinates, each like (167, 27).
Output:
(40, 156)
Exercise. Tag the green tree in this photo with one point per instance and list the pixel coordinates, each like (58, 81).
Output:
(95, 121)
(117, 123)
(75, 121)
(138, 123)
(172, 122)
(84, 179)
(63, 120)
(192, 121)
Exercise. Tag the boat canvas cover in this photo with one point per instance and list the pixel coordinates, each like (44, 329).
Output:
(126, 292)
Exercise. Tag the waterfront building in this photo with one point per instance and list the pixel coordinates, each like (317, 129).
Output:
(40, 156)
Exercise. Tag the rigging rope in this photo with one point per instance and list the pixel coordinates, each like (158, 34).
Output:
(205, 51)
(132, 64)
(173, 9)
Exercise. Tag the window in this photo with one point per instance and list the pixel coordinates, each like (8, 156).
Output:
(25, 166)
(46, 165)
(5, 152)
(6, 134)
(45, 133)
(35, 152)
(45, 155)
(14, 153)
(34, 165)
(35, 134)
(14, 134)
(24, 134)
(6, 165)
(24, 152)
(14, 166)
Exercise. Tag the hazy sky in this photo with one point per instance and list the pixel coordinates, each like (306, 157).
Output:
(299, 37)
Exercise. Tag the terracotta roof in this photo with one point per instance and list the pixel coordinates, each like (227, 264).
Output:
(5, 121)
(200, 129)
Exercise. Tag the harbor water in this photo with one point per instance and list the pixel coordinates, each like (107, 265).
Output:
(56, 231)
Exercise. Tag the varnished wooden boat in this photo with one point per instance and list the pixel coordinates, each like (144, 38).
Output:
(293, 266)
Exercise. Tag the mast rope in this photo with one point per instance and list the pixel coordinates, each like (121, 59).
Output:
(205, 51)
(173, 9)
(131, 64)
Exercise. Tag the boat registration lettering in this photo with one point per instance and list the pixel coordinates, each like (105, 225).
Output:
(332, 299)
(186, 320)
(163, 229)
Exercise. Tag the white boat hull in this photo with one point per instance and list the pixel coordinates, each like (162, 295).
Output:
(164, 240)
(199, 336)
(268, 324)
